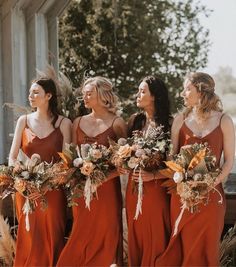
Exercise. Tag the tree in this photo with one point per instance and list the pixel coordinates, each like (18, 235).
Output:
(126, 40)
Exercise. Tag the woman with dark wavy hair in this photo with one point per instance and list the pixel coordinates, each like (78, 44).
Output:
(196, 243)
(148, 235)
(43, 132)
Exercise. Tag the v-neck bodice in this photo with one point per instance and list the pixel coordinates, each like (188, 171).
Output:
(101, 138)
(214, 139)
(47, 147)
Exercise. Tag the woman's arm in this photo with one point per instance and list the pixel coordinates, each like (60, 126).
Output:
(16, 143)
(65, 128)
(175, 128)
(74, 130)
(227, 128)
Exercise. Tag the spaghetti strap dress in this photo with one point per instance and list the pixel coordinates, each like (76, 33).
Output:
(96, 236)
(42, 244)
(198, 238)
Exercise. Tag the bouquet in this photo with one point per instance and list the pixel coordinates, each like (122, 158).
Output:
(28, 176)
(194, 173)
(143, 151)
(88, 165)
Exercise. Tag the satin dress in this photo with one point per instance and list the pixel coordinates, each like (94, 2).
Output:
(198, 238)
(42, 244)
(96, 236)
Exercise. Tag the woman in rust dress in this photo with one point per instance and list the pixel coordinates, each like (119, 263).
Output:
(42, 132)
(197, 240)
(148, 235)
(96, 236)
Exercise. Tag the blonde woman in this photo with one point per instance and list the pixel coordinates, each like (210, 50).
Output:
(197, 240)
(96, 235)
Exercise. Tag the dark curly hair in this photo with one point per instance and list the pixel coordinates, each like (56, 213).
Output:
(159, 90)
(49, 86)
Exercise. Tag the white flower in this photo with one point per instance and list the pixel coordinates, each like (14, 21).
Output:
(122, 141)
(197, 177)
(132, 163)
(161, 145)
(139, 153)
(178, 177)
(25, 174)
(85, 150)
(77, 162)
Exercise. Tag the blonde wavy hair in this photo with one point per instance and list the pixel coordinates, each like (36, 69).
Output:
(209, 101)
(105, 92)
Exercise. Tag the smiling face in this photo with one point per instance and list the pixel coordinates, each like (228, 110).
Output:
(144, 97)
(37, 96)
(90, 95)
(190, 94)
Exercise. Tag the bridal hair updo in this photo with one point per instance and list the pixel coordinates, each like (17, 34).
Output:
(105, 92)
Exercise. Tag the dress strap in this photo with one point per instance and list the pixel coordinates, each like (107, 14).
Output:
(26, 123)
(222, 115)
(116, 117)
(60, 122)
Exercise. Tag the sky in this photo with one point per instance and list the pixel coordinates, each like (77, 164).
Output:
(222, 26)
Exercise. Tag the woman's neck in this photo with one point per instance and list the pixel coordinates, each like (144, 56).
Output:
(43, 115)
(100, 113)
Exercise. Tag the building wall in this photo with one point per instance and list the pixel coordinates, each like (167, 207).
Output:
(28, 38)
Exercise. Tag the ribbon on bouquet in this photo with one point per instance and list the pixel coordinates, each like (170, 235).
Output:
(140, 195)
(89, 190)
(184, 207)
(26, 211)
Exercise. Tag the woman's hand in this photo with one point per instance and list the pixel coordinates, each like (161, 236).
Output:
(123, 171)
(34, 196)
(146, 176)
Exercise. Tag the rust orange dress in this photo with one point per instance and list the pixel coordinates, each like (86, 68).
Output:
(96, 236)
(148, 236)
(197, 240)
(42, 244)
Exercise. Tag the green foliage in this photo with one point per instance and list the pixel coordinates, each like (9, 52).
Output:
(127, 40)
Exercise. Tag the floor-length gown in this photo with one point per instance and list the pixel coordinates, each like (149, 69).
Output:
(96, 236)
(197, 240)
(42, 244)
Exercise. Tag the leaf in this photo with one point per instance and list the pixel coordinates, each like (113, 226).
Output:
(197, 159)
(174, 166)
(67, 160)
(167, 173)
(201, 167)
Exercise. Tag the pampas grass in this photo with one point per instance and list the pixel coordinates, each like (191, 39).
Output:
(7, 243)
(228, 248)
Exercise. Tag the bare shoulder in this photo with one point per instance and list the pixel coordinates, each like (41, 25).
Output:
(21, 122)
(119, 122)
(76, 122)
(226, 122)
(120, 127)
(131, 118)
(65, 122)
(178, 121)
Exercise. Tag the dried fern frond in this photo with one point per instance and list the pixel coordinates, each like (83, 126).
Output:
(49, 73)
(7, 243)
(65, 85)
(228, 248)
(18, 108)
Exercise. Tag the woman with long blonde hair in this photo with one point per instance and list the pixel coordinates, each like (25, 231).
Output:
(96, 236)
(196, 242)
